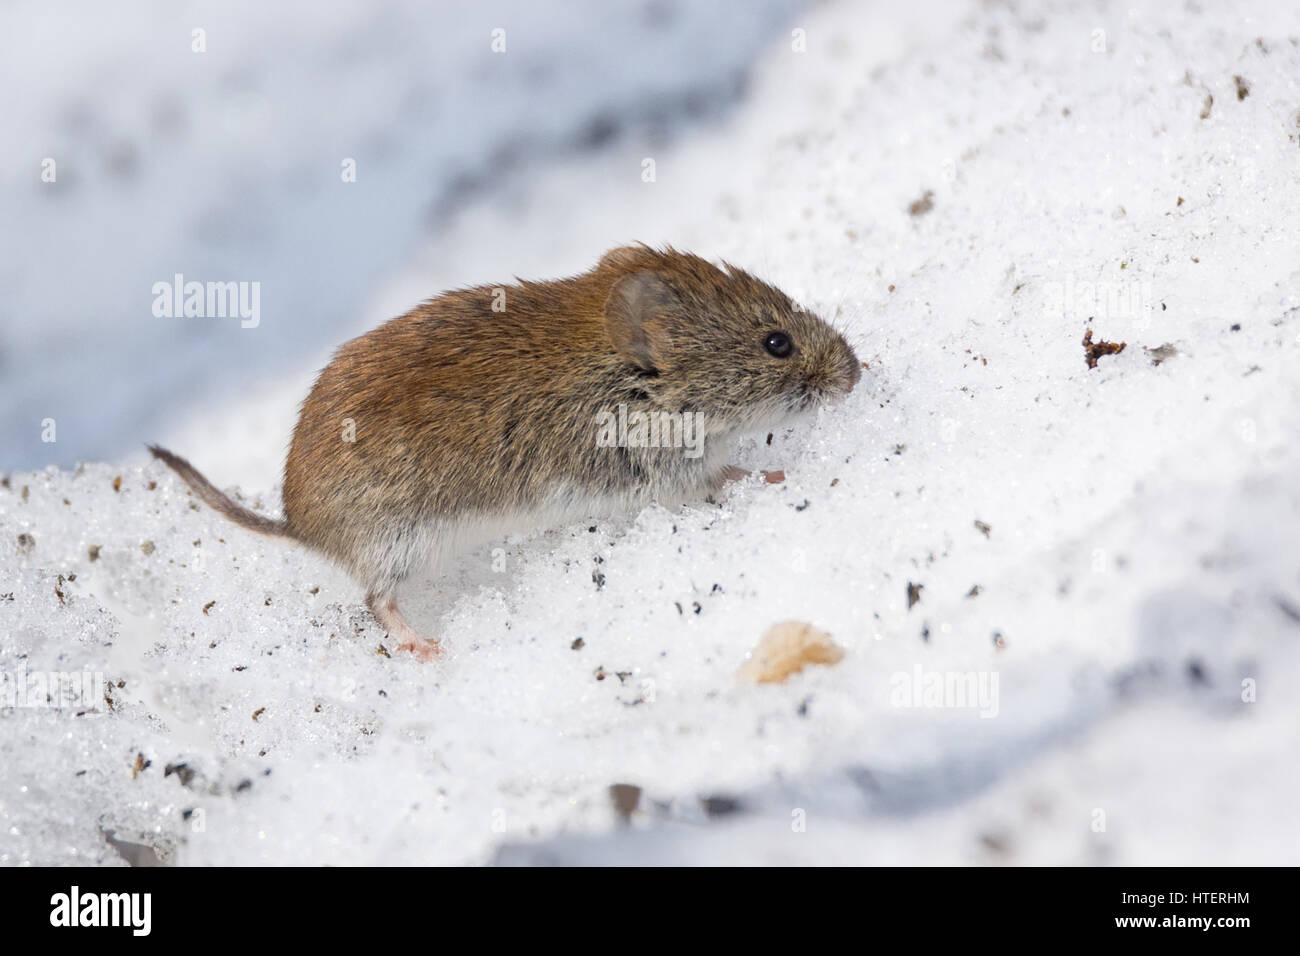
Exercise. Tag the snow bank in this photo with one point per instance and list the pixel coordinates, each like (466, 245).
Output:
(967, 191)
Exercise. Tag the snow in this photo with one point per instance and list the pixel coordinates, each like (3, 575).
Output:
(1135, 554)
(227, 165)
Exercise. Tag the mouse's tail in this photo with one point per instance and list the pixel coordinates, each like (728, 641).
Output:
(240, 515)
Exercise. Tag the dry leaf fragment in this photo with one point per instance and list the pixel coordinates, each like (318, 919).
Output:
(786, 649)
(1095, 350)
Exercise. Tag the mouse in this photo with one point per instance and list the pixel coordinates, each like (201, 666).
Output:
(495, 409)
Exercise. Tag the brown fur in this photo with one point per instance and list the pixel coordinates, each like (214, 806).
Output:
(464, 414)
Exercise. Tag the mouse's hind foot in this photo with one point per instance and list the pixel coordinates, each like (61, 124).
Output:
(384, 608)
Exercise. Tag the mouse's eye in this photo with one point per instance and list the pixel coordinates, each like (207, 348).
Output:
(778, 344)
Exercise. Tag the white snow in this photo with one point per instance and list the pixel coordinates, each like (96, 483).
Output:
(1139, 581)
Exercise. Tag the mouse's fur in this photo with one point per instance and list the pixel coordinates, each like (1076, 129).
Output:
(456, 423)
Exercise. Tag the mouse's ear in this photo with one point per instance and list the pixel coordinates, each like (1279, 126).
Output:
(634, 317)
(622, 257)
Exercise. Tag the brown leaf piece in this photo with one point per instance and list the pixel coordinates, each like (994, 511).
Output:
(787, 648)
(1095, 350)
(625, 797)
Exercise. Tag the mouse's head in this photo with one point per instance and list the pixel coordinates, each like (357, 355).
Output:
(722, 342)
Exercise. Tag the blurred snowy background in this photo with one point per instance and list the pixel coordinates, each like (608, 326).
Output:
(966, 187)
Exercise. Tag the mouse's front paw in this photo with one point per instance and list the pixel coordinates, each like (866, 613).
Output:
(729, 474)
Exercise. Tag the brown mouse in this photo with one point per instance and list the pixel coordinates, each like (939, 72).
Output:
(494, 409)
